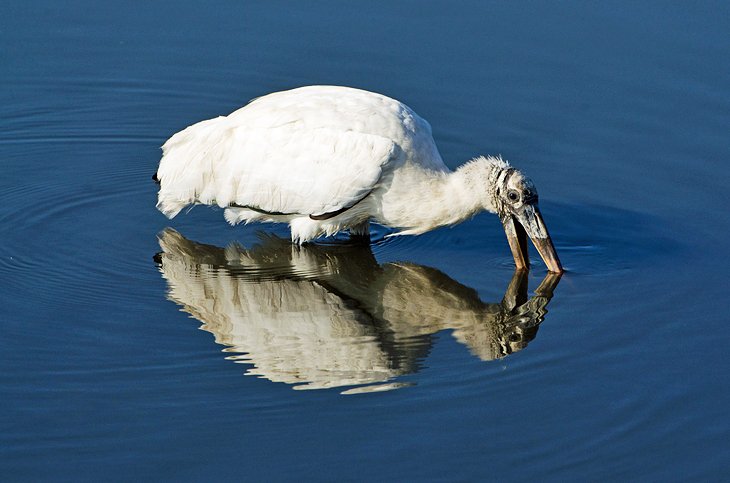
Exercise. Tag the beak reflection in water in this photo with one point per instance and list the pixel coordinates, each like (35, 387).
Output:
(324, 316)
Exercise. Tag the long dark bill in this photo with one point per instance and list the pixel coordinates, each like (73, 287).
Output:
(517, 239)
(530, 223)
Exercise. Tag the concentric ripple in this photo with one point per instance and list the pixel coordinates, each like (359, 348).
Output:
(70, 233)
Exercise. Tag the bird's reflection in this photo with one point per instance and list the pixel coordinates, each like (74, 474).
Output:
(322, 316)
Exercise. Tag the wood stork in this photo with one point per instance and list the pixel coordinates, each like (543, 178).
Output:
(328, 158)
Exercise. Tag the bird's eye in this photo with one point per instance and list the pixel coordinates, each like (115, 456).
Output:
(513, 195)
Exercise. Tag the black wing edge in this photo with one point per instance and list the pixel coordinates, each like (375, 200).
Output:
(332, 214)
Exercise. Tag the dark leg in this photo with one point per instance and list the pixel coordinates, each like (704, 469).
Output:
(360, 234)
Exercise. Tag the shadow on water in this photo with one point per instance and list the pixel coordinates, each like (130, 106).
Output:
(324, 316)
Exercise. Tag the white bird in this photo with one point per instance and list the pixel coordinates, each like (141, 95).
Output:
(326, 159)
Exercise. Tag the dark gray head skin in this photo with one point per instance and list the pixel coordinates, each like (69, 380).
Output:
(515, 199)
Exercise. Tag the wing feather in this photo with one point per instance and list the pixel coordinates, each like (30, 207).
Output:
(287, 168)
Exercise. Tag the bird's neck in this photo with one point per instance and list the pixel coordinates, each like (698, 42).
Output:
(474, 183)
(444, 199)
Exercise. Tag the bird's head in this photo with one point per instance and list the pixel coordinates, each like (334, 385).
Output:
(514, 198)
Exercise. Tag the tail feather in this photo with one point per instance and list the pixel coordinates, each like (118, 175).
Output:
(187, 171)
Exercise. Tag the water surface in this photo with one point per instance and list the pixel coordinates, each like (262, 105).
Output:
(426, 357)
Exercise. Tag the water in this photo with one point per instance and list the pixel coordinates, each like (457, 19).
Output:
(425, 357)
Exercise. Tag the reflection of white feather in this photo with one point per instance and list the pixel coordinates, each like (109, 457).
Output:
(320, 317)
(292, 331)
(297, 332)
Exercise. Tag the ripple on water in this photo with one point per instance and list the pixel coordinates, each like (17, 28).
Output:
(66, 234)
(594, 239)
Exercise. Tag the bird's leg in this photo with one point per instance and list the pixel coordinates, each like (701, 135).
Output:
(360, 234)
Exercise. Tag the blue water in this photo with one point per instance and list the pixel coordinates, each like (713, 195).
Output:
(438, 364)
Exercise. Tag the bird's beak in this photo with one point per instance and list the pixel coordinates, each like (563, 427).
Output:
(529, 222)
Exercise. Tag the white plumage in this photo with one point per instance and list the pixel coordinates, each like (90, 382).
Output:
(326, 159)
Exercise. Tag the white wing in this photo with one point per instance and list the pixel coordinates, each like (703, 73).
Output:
(284, 153)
